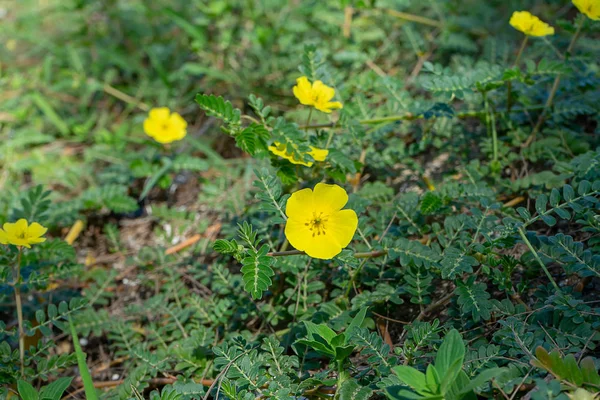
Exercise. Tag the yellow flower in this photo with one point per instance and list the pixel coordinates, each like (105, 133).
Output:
(164, 126)
(529, 24)
(317, 95)
(21, 233)
(280, 149)
(591, 8)
(316, 222)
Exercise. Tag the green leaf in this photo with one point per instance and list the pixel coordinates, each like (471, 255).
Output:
(321, 330)
(485, 376)
(86, 377)
(150, 183)
(432, 380)
(411, 377)
(26, 391)
(216, 106)
(451, 351)
(55, 390)
(49, 112)
(430, 203)
(356, 322)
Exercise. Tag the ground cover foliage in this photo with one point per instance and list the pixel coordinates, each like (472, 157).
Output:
(469, 152)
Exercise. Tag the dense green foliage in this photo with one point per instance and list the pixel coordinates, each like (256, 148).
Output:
(472, 162)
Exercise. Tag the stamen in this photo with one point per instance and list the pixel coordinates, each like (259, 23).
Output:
(317, 224)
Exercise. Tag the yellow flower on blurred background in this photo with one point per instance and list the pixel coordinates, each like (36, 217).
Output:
(317, 224)
(317, 95)
(591, 8)
(164, 126)
(280, 149)
(20, 233)
(529, 24)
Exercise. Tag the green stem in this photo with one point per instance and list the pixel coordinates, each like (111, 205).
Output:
(17, 287)
(539, 260)
(329, 139)
(509, 83)
(520, 53)
(343, 376)
(555, 86)
(310, 111)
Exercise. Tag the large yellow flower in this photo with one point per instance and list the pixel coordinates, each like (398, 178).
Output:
(529, 24)
(317, 95)
(164, 126)
(591, 8)
(21, 233)
(280, 149)
(316, 222)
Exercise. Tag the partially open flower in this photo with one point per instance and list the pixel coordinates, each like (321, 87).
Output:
(164, 126)
(529, 24)
(21, 233)
(318, 95)
(317, 224)
(280, 149)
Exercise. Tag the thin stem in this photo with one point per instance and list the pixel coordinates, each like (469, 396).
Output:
(509, 83)
(555, 85)
(310, 111)
(494, 137)
(520, 53)
(17, 286)
(539, 260)
(413, 18)
(330, 138)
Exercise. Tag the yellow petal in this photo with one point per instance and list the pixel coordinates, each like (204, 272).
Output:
(329, 198)
(3, 237)
(18, 228)
(36, 240)
(318, 154)
(303, 91)
(300, 204)
(323, 92)
(178, 124)
(342, 226)
(591, 8)
(152, 127)
(334, 104)
(159, 114)
(529, 24)
(36, 230)
(322, 246)
(281, 150)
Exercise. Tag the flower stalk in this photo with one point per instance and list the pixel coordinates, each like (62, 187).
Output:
(516, 64)
(19, 306)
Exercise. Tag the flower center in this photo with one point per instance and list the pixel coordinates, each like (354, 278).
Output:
(22, 235)
(165, 126)
(316, 224)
